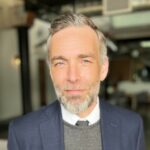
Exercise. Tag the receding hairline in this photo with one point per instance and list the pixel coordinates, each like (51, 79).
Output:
(76, 20)
(83, 26)
(70, 19)
(76, 29)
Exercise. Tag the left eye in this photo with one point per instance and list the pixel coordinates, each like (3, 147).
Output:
(86, 61)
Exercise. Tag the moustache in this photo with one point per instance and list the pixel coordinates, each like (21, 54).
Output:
(72, 87)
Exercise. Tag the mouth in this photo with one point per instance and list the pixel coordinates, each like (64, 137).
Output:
(74, 91)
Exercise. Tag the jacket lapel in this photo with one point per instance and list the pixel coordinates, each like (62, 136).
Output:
(109, 128)
(52, 130)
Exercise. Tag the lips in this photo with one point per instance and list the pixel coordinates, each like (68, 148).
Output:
(74, 91)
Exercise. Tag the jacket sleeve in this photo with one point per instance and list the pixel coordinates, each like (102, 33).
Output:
(140, 140)
(12, 140)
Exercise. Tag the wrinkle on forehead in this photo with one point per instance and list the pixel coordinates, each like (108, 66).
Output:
(77, 36)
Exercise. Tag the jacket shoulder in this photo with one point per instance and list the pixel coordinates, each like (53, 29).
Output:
(123, 114)
(33, 119)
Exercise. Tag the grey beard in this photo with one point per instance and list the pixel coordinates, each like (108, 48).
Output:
(77, 108)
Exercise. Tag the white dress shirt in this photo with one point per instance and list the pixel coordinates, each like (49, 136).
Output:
(71, 118)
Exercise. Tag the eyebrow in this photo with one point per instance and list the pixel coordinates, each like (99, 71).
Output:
(86, 56)
(79, 56)
(58, 58)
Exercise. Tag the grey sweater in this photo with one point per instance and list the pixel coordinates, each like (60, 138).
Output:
(82, 137)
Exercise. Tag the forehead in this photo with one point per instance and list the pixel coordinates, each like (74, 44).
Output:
(75, 31)
(74, 38)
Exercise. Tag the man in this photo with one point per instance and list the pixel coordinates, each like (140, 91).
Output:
(78, 63)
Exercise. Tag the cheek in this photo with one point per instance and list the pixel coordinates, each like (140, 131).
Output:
(58, 77)
(91, 74)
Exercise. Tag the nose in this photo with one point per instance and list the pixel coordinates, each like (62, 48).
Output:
(73, 73)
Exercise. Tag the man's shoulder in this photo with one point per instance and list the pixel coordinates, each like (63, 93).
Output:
(123, 114)
(33, 119)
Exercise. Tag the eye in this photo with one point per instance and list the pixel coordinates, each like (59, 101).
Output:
(86, 61)
(59, 63)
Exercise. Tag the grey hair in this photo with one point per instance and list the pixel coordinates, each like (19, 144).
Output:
(71, 19)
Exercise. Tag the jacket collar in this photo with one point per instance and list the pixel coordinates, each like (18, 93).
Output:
(52, 131)
(109, 127)
(51, 128)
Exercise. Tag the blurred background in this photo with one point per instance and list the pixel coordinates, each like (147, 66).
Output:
(25, 84)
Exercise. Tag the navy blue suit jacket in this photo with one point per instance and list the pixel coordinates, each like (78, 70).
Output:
(43, 130)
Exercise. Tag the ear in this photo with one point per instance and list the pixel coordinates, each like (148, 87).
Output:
(104, 69)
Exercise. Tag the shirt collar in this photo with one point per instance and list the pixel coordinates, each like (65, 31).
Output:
(71, 118)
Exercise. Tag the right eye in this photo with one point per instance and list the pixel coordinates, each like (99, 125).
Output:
(59, 63)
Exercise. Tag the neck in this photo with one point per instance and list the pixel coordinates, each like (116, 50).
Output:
(88, 111)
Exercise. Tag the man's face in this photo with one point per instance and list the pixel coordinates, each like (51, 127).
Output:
(75, 67)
